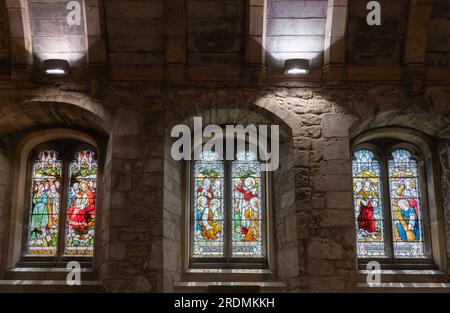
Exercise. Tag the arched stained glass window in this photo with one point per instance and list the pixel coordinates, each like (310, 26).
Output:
(43, 228)
(368, 200)
(247, 214)
(209, 203)
(405, 204)
(395, 178)
(228, 216)
(81, 204)
(62, 201)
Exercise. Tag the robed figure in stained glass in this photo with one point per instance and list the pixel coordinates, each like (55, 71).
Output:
(208, 203)
(405, 202)
(82, 209)
(209, 226)
(408, 228)
(366, 220)
(247, 205)
(368, 204)
(45, 202)
(40, 210)
(407, 213)
(206, 190)
(245, 193)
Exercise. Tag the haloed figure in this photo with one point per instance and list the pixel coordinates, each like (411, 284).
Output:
(53, 205)
(408, 227)
(209, 225)
(206, 190)
(251, 215)
(82, 209)
(40, 218)
(366, 219)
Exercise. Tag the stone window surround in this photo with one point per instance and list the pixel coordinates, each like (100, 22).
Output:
(382, 155)
(432, 205)
(20, 188)
(284, 265)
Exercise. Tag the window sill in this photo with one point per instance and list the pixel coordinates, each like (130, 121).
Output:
(229, 280)
(227, 287)
(229, 271)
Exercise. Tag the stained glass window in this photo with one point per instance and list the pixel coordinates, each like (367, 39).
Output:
(62, 201)
(405, 224)
(368, 202)
(247, 206)
(45, 204)
(405, 204)
(80, 221)
(208, 230)
(228, 208)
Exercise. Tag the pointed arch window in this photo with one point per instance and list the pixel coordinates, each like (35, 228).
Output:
(61, 215)
(228, 215)
(388, 199)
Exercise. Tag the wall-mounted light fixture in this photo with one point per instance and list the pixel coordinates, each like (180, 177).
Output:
(296, 66)
(56, 67)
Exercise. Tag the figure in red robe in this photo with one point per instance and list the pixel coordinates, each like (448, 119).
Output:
(82, 209)
(366, 220)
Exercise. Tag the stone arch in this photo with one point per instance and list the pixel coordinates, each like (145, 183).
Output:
(215, 101)
(390, 106)
(53, 110)
(283, 219)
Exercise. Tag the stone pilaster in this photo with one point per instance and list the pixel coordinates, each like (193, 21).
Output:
(334, 48)
(256, 37)
(175, 39)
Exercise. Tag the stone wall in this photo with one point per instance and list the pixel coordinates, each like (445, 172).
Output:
(140, 230)
(135, 31)
(4, 214)
(444, 153)
(215, 32)
(376, 45)
(438, 45)
(322, 205)
(173, 216)
(135, 233)
(4, 41)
